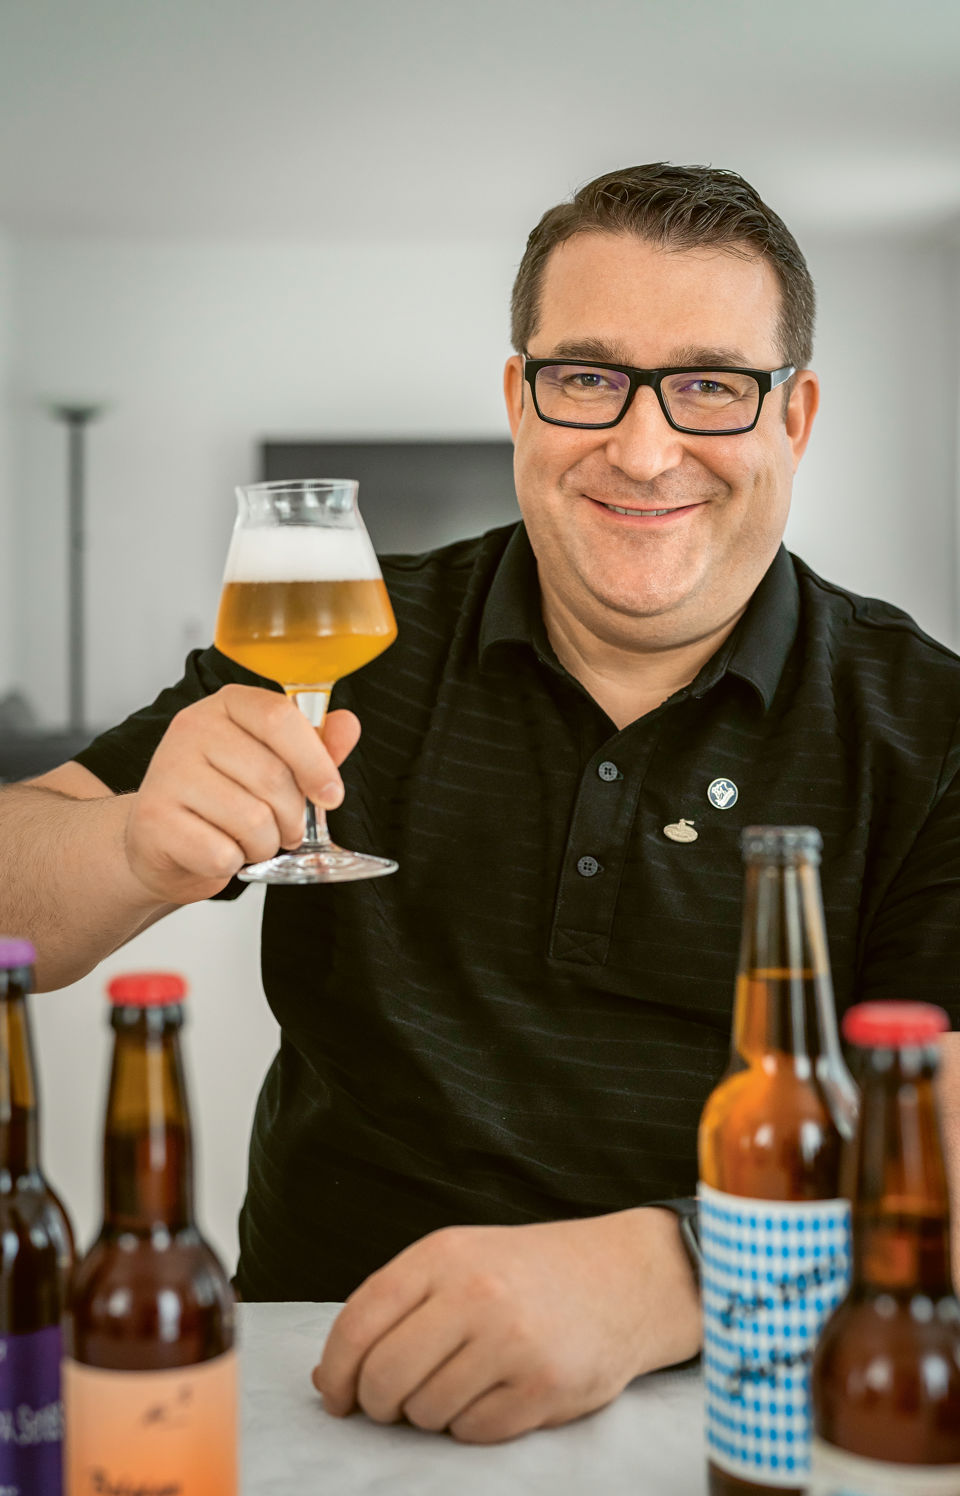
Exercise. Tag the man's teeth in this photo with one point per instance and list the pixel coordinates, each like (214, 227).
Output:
(645, 512)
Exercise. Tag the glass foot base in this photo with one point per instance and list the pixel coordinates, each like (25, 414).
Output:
(328, 864)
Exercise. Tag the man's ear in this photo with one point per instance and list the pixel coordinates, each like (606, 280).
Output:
(513, 383)
(801, 409)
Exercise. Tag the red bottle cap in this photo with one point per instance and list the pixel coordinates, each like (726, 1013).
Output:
(890, 1025)
(147, 989)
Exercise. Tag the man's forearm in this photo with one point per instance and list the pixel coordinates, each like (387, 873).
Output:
(65, 882)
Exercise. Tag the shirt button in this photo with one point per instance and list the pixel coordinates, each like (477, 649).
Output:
(608, 771)
(587, 867)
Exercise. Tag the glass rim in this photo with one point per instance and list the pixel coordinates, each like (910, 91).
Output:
(297, 484)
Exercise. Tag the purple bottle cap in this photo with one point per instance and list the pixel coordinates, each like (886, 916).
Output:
(15, 952)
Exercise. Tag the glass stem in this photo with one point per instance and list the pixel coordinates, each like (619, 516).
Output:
(313, 702)
(317, 835)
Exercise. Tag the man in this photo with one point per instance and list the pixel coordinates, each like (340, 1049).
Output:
(492, 1064)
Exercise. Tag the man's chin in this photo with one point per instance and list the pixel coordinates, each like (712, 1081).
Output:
(649, 598)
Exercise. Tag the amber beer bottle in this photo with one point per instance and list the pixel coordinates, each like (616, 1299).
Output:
(37, 1256)
(150, 1392)
(886, 1376)
(774, 1230)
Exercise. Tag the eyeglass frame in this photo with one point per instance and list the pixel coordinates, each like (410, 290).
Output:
(767, 380)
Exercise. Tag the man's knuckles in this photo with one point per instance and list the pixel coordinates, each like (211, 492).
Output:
(378, 1391)
(234, 698)
(275, 713)
(259, 824)
(273, 779)
(493, 1423)
(461, 1253)
(424, 1411)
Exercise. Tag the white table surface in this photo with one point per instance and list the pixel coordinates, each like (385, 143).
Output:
(647, 1443)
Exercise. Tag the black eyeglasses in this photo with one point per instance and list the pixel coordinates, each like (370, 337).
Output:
(703, 402)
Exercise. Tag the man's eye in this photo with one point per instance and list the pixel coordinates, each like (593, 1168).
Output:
(708, 387)
(586, 381)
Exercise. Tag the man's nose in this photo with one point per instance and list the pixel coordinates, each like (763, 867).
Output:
(644, 444)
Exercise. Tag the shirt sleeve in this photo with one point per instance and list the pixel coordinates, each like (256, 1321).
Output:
(120, 756)
(912, 948)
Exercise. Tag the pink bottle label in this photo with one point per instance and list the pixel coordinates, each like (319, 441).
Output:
(152, 1433)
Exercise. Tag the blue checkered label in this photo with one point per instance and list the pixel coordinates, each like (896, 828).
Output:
(772, 1272)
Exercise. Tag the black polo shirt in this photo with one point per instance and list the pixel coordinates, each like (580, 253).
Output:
(523, 1023)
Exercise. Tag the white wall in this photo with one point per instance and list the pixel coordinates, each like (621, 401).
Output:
(7, 647)
(875, 500)
(205, 348)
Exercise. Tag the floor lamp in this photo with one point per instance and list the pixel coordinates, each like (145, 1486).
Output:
(76, 418)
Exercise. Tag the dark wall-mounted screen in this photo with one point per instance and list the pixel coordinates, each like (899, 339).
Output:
(413, 494)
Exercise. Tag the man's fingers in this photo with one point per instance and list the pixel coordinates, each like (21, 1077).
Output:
(381, 1302)
(463, 1378)
(248, 767)
(501, 1413)
(405, 1356)
(341, 733)
(231, 810)
(277, 722)
(538, 1399)
(202, 850)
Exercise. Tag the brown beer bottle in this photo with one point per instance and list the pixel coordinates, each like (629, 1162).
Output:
(774, 1231)
(37, 1256)
(886, 1376)
(150, 1377)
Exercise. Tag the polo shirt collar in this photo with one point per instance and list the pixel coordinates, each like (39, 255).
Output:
(756, 651)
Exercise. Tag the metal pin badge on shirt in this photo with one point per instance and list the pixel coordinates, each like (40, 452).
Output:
(722, 794)
(681, 831)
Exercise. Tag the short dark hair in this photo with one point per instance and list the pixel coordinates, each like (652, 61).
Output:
(674, 207)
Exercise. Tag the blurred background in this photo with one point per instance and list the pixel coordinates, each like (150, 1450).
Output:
(226, 223)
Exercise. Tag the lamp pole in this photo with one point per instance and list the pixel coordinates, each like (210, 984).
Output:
(76, 418)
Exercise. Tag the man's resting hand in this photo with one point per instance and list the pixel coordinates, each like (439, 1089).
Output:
(490, 1331)
(227, 785)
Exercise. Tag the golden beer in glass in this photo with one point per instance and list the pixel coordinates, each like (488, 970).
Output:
(304, 631)
(303, 603)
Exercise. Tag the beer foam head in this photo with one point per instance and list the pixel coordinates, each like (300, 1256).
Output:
(300, 553)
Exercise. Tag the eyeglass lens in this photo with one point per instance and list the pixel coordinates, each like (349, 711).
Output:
(708, 400)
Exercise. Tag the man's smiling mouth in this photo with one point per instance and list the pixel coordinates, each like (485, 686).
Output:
(642, 513)
(617, 510)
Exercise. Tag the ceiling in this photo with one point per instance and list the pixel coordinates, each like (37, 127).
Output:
(413, 119)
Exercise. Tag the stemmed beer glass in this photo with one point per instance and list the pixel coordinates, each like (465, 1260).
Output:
(303, 604)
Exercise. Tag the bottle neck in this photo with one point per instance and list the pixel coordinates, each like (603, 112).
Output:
(148, 1156)
(901, 1216)
(19, 1124)
(784, 995)
(784, 1012)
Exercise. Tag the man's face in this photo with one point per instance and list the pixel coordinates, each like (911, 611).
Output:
(669, 579)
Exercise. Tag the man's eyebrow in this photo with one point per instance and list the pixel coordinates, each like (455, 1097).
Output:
(591, 348)
(599, 351)
(711, 358)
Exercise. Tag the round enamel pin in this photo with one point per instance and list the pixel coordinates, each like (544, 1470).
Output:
(722, 794)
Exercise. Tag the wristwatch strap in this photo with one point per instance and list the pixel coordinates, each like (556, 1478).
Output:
(688, 1219)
